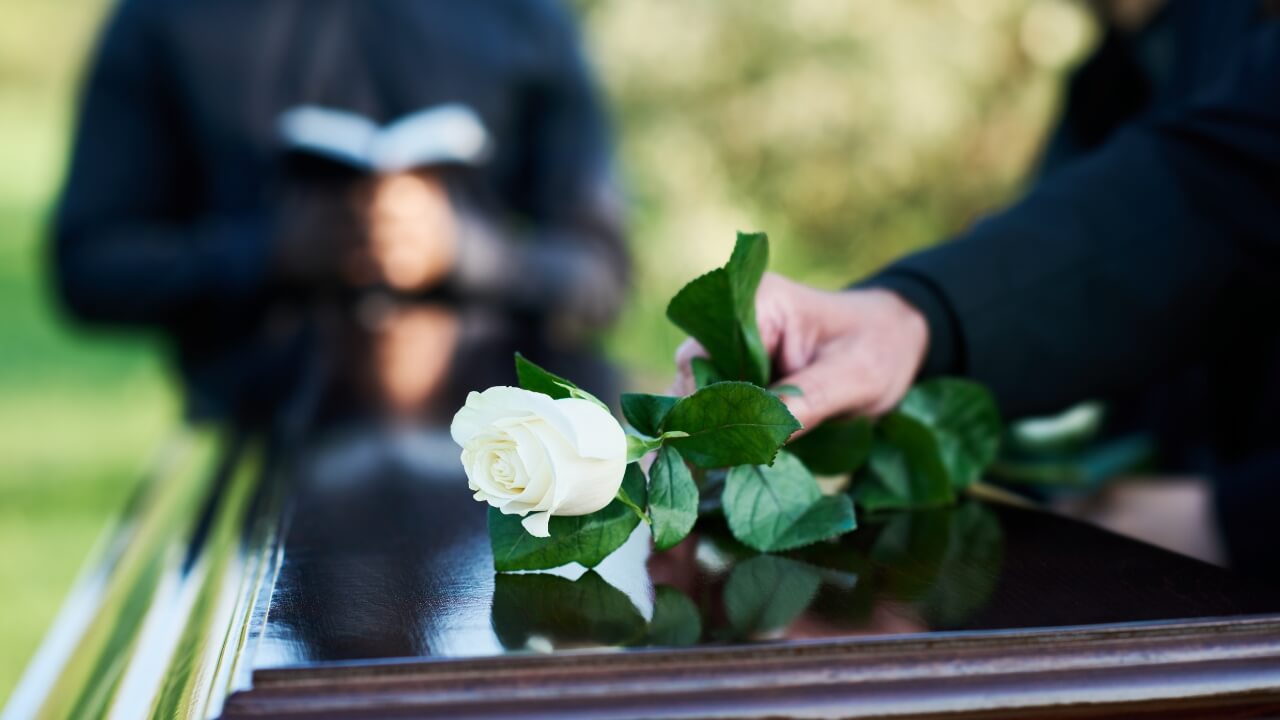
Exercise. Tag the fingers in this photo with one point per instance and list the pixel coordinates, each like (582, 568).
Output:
(818, 399)
(834, 386)
(769, 319)
(688, 350)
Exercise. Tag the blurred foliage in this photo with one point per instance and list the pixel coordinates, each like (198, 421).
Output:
(851, 130)
(79, 416)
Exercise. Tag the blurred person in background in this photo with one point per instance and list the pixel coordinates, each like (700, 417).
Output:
(238, 163)
(1142, 267)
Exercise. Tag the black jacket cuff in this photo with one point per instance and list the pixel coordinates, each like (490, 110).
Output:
(945, 355)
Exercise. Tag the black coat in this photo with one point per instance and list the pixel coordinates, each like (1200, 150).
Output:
(1143, 268)
(1148, 253)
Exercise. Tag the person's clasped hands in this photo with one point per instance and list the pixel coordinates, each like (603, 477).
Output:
(396, 230)
(854, 352)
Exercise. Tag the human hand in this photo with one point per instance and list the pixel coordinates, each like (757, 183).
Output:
(854, 352)
(412, 231)
(398, 230)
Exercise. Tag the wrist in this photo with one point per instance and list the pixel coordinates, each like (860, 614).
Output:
(942, 353)
(910, 325)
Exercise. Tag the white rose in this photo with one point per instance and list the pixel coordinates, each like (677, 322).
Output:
(530, 455)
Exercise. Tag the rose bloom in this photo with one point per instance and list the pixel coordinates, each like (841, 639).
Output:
(528, 454)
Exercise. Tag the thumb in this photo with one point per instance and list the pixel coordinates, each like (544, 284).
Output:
(683, 383)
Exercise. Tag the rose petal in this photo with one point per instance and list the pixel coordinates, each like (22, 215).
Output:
(537, 524)
(483, 409)
(596, 434)
(476, 461)
(561, 457)
(581, 485)
(540, 477)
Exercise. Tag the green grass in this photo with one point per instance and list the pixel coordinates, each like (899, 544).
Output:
(78, 420)
(79, 413)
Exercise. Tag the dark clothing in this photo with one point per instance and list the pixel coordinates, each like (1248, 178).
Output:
(1147, 237)
(1143, 268)
(171, 205)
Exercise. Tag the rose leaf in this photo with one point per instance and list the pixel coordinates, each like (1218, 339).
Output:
(718, 310)
(532, 377)
(780, 507)
(834, 447)
(704, 373)
(906, 470)
(646, 412)
(965, 421)
(746, 268)
(585, 539)
(787, 390)
(730, 423)
(673, 499)
(638, 446)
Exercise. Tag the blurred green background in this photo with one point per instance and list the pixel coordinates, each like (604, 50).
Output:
(851, 130)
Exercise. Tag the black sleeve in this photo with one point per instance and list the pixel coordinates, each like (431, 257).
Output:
(131, 241)
(1116, 267)
(571, 260)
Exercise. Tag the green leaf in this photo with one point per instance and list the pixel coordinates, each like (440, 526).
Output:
(718, 310)
(676, 620)
(767, 593)
(746, 267)
(787, 390)
(730, 423)
(906, 468)
(580, 394)
(636, 507)
(704, 373)
(673, 499)
(835, 447)
(585, 539)
(704, 309)
(965, 421)
(638, 446)
(568, 613)
(646, 412)
(781, 507)
(532, 377)
(830, 516)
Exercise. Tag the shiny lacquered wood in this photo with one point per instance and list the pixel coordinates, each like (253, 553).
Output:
(387, 601)
(1217, 668)
(387, 556)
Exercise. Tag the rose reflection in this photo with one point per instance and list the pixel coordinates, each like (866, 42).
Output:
(905, 572)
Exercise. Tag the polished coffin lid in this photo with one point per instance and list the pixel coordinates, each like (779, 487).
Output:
(386, 601)
(355, 580)
(337, 566)
(387, 556)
